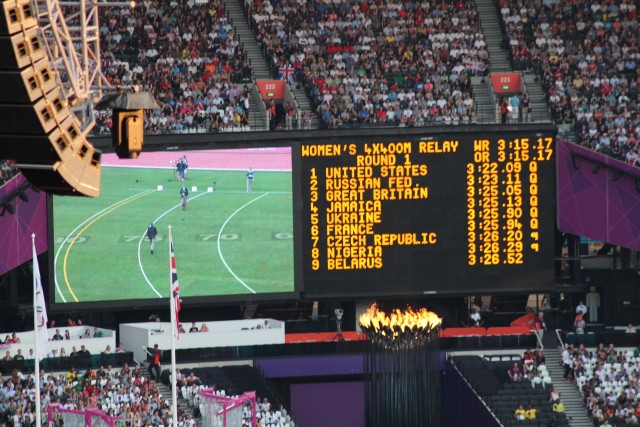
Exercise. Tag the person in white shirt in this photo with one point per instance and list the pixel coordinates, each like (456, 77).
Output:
(476, 318)
(567, 359)
(581, 308)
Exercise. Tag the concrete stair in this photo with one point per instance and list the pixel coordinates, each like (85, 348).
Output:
(492, 31)
(304, 103)
(242, 29)
(537, 98)
(165, 391)
(500, 62)
(260, 64)
(569, 393)
(484, 104)
(498, 58)
(257, 121)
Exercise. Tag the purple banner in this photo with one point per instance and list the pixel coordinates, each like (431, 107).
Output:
(29, 216)
(337, 404)
(598, 196)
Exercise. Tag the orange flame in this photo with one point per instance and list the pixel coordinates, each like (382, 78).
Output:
(376, 319)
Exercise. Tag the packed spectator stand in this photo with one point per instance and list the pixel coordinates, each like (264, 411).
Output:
(117, 391)
(109, 379)
(366, 63)
(586, 54)
(188, 58)
(411, 67)
(608, 381)
(125, 392)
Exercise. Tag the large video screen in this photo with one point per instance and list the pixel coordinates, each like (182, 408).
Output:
(230, 241)
(447, 213)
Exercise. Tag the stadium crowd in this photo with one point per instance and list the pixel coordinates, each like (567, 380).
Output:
(587, 56)
(608, 381)
(120, 392)
(188, 58)
(366, 63)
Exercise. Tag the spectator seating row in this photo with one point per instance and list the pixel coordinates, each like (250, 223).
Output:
(188, 58)
(118, 392)
(65, 363)
(586, 54)
(608, 380)
(369, 63)
(491, 382)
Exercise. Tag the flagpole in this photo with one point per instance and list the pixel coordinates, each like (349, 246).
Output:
(174, 393)
(35, 331)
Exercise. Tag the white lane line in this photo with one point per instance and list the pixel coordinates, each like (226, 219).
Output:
(55, 260)
(153, 288)
(220, 249)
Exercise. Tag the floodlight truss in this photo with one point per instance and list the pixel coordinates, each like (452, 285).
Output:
(71, 33)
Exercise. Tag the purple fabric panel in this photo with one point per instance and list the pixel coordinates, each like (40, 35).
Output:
(15, 230)
(328, 404)
(592, 204)
(461, 404)
(311, 366)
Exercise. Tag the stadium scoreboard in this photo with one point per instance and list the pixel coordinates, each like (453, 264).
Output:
(441, 214)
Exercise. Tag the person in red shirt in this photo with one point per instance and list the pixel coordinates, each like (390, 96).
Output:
(154, 366)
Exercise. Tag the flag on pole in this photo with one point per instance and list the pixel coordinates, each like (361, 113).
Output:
(175, 287)
(40, 309)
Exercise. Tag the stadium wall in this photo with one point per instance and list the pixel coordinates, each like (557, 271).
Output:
(598, 196)
(328, 390)
(336, 404)
(461, 405)
(30, 216)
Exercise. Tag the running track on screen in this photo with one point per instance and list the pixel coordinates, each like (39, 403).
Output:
(267, 159)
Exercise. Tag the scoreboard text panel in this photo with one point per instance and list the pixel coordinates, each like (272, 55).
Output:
(447, 214)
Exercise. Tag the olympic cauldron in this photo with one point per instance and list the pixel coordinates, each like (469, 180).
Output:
(402, 367)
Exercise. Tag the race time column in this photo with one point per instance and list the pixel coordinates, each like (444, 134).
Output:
(429, 215)
(503, 199)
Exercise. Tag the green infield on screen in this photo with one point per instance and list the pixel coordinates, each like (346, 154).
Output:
(228, 241)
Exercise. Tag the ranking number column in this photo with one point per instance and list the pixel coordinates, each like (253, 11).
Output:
(314, 219)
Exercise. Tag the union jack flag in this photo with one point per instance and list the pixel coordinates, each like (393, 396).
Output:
(286, 73)
(175, 286)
